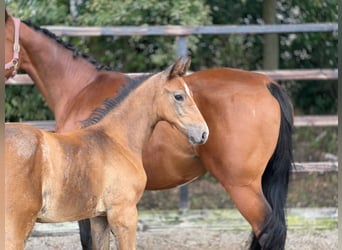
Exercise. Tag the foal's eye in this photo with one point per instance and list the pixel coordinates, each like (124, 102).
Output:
(179, 97)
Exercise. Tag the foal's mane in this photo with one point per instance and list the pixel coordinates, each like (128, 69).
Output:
(68, 46)
(111, 103)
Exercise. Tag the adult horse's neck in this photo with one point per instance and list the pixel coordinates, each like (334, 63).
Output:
(58, 75)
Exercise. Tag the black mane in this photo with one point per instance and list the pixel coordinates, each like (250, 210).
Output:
(110, 103)
(75, 52)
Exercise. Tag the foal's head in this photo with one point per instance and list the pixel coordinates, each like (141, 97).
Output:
(176, 104)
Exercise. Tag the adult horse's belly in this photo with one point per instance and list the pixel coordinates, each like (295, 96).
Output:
(169, 159)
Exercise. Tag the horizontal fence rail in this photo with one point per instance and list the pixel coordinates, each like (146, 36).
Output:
(302, 74)
(316, 121)
(176, 30)
(277, 75)
(299, 121)
(328, 166)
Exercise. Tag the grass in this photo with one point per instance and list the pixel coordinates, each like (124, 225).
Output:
(231, 219)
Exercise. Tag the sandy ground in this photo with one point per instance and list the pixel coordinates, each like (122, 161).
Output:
(191, 239)
(309, 229)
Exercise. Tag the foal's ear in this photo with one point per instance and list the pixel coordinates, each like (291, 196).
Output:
(186, 66)
(175, 69)
(179, 68)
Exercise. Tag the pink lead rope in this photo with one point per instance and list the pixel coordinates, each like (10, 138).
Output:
(16, 48)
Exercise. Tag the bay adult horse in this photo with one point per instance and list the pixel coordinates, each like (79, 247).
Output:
(249, 150)
(97, 170)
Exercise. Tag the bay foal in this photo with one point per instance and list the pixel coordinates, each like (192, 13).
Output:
(98, 170)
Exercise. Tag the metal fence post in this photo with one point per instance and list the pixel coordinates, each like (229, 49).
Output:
(182, 49)
(182, 46)
(184, 197)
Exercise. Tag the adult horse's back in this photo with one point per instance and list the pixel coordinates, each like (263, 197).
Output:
(249, 117)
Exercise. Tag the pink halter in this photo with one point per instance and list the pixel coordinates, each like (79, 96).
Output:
(16, 48)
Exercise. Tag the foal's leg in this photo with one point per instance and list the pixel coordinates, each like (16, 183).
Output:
(17, 230)
(100, 233)
(123, 223)
(22, 205)
(15, 236)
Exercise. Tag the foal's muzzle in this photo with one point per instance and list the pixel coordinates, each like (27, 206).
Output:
(197, 134)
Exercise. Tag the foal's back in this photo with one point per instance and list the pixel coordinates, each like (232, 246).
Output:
(55, 176)
(21, 150)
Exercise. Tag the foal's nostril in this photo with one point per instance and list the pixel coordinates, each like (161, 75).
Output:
(204, 137)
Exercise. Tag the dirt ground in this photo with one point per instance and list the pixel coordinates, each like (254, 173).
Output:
(197, 239)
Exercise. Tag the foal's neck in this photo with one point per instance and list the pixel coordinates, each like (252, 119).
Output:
(58, 75)
(135, 117)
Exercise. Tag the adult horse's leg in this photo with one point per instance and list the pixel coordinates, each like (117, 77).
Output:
(100, 233)
(253, 159)
(85, 234)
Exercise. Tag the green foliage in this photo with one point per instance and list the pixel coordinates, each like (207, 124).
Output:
(310, 50)
(50, 12)
(313, 97)
(313, 143)
(143, 12)
(25, 104)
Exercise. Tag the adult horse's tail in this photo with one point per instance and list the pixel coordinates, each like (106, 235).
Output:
(276, 178)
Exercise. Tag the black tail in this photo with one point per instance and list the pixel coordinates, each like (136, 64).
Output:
(276, 178)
